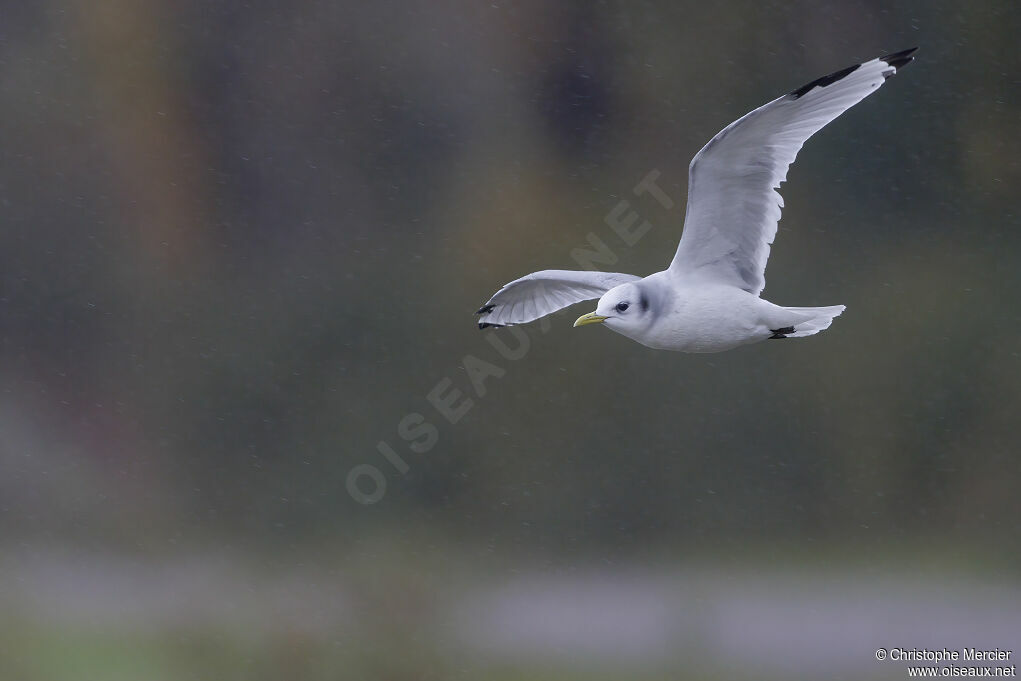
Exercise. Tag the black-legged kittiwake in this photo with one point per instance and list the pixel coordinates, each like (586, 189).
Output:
(708, 299)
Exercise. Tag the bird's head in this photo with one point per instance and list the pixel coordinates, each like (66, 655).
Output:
(624, 308)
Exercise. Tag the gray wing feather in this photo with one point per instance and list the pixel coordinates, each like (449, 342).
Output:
(733, 205)
(541, 293)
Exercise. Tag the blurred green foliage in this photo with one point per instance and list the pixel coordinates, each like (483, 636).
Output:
(241, 242)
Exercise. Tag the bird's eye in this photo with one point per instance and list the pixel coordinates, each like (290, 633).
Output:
(622, 307)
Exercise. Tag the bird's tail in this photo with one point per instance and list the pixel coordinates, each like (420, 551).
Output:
(819, 319)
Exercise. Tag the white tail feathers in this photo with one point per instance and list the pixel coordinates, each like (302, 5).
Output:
(820, 319)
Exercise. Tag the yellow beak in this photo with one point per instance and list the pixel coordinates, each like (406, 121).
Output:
(590, 318)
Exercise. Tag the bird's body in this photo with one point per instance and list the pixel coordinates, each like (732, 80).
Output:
(708, 299)
(691, 319)
(695, 316)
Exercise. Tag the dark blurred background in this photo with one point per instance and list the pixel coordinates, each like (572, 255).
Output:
(242, 242)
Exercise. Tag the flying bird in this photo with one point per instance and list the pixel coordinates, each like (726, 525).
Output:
(708, 300)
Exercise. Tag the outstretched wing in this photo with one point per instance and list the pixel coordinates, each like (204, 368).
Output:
(541, 293)
(733, 205)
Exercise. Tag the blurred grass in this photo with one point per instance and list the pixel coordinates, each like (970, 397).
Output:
(36, 652)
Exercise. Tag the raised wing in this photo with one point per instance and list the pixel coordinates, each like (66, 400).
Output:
(733, 205)
(541, 293)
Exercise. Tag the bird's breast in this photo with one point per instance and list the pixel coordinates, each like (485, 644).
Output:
(706, 320)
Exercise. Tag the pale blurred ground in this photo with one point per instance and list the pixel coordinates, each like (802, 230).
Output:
(88, 615)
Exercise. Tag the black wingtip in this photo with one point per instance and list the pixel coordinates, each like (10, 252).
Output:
(485, 309)
(824, 81)
(486, 325)
(899, 60)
